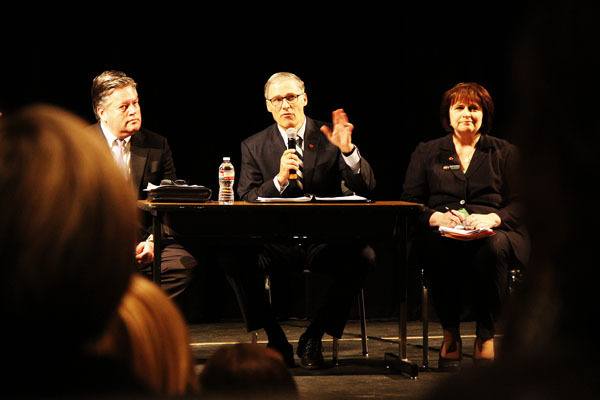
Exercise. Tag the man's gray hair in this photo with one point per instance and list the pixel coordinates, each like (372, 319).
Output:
(280, 76)
(105, 83)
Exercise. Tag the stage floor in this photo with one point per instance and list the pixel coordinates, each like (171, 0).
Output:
(356, 376)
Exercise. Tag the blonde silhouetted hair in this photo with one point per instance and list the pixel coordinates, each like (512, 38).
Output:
(152, 335)
(67, 230)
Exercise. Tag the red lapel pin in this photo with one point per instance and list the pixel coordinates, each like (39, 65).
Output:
(311, 146)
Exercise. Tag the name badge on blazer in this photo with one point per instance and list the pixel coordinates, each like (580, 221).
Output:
(452, 166)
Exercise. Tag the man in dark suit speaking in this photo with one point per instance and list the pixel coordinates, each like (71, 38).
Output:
(325, 162)
(143, 157)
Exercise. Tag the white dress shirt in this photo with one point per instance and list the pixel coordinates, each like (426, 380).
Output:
(114, 147)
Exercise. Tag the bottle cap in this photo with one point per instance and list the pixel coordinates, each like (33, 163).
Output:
(226, 158)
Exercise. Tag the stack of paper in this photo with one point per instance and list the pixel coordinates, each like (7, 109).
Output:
(342, 198)
(460, 233)
(302, 199)
(309, 197)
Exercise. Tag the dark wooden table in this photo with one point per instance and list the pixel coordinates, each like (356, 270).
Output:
(331, 221)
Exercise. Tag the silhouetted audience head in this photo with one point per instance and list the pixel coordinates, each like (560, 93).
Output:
(67, 227)
(557, 80)
(151, 336)
(247, 371)
(550, 346)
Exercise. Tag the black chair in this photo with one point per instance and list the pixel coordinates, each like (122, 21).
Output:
(363, 329)
(515, 277)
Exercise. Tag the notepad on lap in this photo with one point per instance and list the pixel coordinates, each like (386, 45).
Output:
(465, 234)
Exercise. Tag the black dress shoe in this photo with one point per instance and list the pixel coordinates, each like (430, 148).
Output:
(450, 364)
(310, 351)
(287, 352)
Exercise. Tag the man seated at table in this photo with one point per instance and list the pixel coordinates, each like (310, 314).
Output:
(143, 156)
(326, 162)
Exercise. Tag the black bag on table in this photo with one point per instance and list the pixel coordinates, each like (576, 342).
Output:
(177, 192)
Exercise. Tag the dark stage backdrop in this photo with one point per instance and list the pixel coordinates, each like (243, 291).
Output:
(202, 87)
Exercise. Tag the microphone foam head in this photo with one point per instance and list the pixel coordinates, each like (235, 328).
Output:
(291, 133)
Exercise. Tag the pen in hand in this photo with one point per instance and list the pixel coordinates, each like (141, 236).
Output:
(458, 225)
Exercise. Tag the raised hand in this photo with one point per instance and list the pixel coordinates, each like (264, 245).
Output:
(341, 136)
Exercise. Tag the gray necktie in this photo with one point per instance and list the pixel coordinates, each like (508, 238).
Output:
(119, 153)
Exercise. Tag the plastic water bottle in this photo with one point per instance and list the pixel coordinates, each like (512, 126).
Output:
(226, 180)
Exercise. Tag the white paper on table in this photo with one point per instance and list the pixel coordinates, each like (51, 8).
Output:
(353, 197)
(302, 199)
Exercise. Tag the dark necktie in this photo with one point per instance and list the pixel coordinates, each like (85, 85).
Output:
(300, 171)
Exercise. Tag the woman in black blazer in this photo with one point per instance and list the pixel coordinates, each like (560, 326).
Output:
(467, 178)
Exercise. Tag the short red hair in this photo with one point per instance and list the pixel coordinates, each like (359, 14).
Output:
(469, 92)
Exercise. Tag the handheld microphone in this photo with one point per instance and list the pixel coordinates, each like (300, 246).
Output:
(292, 133)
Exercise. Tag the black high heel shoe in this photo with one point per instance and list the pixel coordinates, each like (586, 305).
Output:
(480, 362)
(450, 364)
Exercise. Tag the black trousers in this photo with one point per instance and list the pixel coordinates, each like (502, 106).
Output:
(347, 265)
(474, 272)
(176, 268)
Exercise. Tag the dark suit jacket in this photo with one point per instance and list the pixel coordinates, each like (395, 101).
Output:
(489, 185)
(324, 167)
(151, 159)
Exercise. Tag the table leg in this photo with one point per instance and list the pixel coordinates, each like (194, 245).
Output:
(401, 362)
(157, 233)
